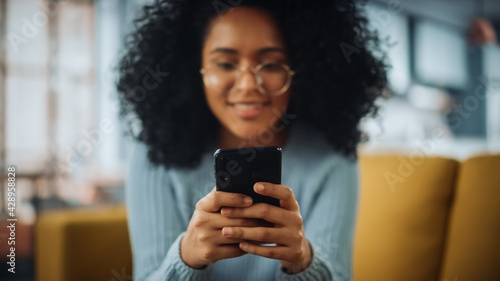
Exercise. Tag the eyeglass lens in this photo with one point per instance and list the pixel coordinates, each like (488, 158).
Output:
(271, 78)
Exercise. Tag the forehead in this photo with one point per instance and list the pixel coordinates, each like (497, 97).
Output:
(244, 29)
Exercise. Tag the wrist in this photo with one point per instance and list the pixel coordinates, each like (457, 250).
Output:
(302, 264)
(186, 257)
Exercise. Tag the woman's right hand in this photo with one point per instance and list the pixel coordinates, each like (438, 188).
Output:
(203, 242)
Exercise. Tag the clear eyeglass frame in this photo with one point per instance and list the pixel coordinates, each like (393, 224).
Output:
(258, 79)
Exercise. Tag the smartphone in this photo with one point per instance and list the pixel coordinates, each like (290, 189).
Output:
(238, 169)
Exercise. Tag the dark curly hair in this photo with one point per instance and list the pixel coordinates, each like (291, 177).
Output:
(329, 45)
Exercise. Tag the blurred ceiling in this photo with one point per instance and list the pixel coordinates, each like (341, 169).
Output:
(454, 12)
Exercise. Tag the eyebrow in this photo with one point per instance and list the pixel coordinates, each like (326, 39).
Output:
(234, 51)
(223, 50)
(270, 49)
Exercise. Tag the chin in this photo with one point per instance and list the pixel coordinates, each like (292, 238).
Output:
(246, 133)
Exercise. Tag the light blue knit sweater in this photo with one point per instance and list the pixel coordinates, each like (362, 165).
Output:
(160, 203)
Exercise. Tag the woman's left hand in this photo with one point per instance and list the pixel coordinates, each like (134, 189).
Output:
(292, 247)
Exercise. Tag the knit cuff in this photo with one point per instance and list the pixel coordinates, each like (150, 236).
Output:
(182, 271)
(317, 269)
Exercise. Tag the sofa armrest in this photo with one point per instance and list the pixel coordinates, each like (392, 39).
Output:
(473, 239)
(402, 216)
(83, 244)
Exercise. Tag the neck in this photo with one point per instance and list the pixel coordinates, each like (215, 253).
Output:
(227, 139)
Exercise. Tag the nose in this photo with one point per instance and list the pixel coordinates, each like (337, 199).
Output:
(247, 82)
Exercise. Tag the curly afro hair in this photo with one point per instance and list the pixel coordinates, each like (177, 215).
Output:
(329, 45)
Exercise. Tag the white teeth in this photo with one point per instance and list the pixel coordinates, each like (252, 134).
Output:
(247, 106)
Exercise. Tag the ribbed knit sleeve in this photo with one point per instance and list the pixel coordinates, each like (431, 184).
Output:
(155, 223)
(329, 214)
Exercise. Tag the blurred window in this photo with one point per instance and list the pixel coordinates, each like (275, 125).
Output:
(440, 55)
(393, 28)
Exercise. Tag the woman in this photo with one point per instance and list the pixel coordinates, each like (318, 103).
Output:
(207, 75)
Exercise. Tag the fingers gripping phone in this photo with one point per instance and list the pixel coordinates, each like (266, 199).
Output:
(238, 169)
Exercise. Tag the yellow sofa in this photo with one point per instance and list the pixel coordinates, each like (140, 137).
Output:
(419, 218)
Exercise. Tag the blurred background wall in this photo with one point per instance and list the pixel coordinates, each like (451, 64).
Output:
(444, 79)
(59, 123)
(59, 103)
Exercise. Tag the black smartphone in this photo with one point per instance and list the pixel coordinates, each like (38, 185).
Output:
(238, 169)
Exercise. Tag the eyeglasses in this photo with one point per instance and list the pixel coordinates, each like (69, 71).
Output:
(272, 79)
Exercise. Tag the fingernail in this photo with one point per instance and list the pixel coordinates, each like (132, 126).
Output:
(227, 231)
(247, 200)
(259, 187)
(243, 244)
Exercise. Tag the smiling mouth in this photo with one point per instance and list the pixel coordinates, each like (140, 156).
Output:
(248, 110)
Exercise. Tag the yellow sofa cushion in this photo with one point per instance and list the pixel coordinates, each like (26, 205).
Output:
(71, 245)
(402, 216)
(473, 241)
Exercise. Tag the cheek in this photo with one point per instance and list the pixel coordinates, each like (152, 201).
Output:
(279, 105)
(215, 103)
